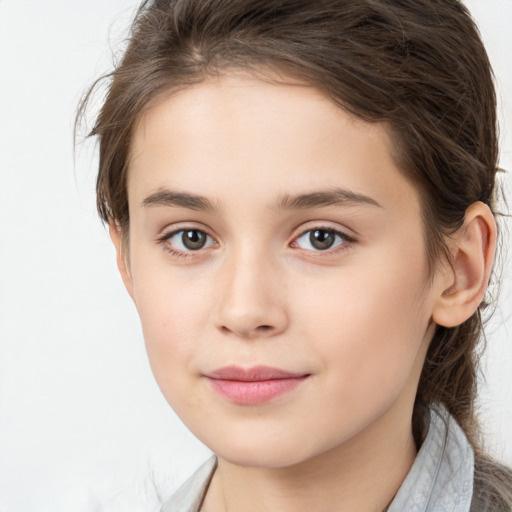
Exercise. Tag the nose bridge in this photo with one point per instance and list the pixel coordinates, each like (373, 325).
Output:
(251, 295)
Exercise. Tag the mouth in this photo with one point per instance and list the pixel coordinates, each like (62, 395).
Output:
(253, 386)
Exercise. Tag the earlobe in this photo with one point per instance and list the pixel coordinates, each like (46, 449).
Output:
(121, 259)
(472, 256)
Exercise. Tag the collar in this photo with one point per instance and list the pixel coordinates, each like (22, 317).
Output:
(440, 479)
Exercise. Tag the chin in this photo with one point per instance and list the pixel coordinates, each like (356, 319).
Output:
(271, 459)
(259, 451)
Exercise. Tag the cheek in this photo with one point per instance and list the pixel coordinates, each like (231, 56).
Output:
(174, 312)
(370, 320)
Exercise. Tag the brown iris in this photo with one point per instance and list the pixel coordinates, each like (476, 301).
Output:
(322, 239)
(193, 239)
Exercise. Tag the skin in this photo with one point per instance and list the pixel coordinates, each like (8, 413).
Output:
(357, 318)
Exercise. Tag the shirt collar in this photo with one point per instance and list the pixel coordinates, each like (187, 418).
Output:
(441, 477)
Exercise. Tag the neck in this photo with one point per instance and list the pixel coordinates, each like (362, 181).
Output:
(363, 474)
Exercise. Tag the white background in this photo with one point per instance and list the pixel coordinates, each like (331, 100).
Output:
(83, 426)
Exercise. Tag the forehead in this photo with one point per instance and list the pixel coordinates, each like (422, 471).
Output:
(245, 133)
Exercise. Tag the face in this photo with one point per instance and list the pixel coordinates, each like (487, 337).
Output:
(277, 262)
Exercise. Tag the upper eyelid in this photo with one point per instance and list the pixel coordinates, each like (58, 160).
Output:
(323, 228)
(346, 233)
(168, 233)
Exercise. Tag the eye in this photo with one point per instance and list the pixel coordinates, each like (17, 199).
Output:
(187, 240)
(321, 239)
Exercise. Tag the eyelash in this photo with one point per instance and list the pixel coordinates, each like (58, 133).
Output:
(346, 241)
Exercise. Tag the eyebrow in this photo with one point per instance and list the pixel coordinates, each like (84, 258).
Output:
(187, 200)
(331, 197)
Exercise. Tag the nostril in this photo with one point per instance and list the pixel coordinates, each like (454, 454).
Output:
(260, 330)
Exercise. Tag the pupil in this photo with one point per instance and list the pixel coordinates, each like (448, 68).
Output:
(193, 239)
(321, 239)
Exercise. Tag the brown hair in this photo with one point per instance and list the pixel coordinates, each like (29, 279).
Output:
(419, 66)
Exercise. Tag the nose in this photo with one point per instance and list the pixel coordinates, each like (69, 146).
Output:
(251, 301)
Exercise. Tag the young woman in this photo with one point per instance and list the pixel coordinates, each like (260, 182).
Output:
(301, 195)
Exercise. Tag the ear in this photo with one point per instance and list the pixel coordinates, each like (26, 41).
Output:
(472, 256)
(121, 258)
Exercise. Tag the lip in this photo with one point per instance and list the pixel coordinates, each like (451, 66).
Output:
(253, 386)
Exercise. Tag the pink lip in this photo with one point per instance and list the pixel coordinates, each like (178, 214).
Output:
(255, 385)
